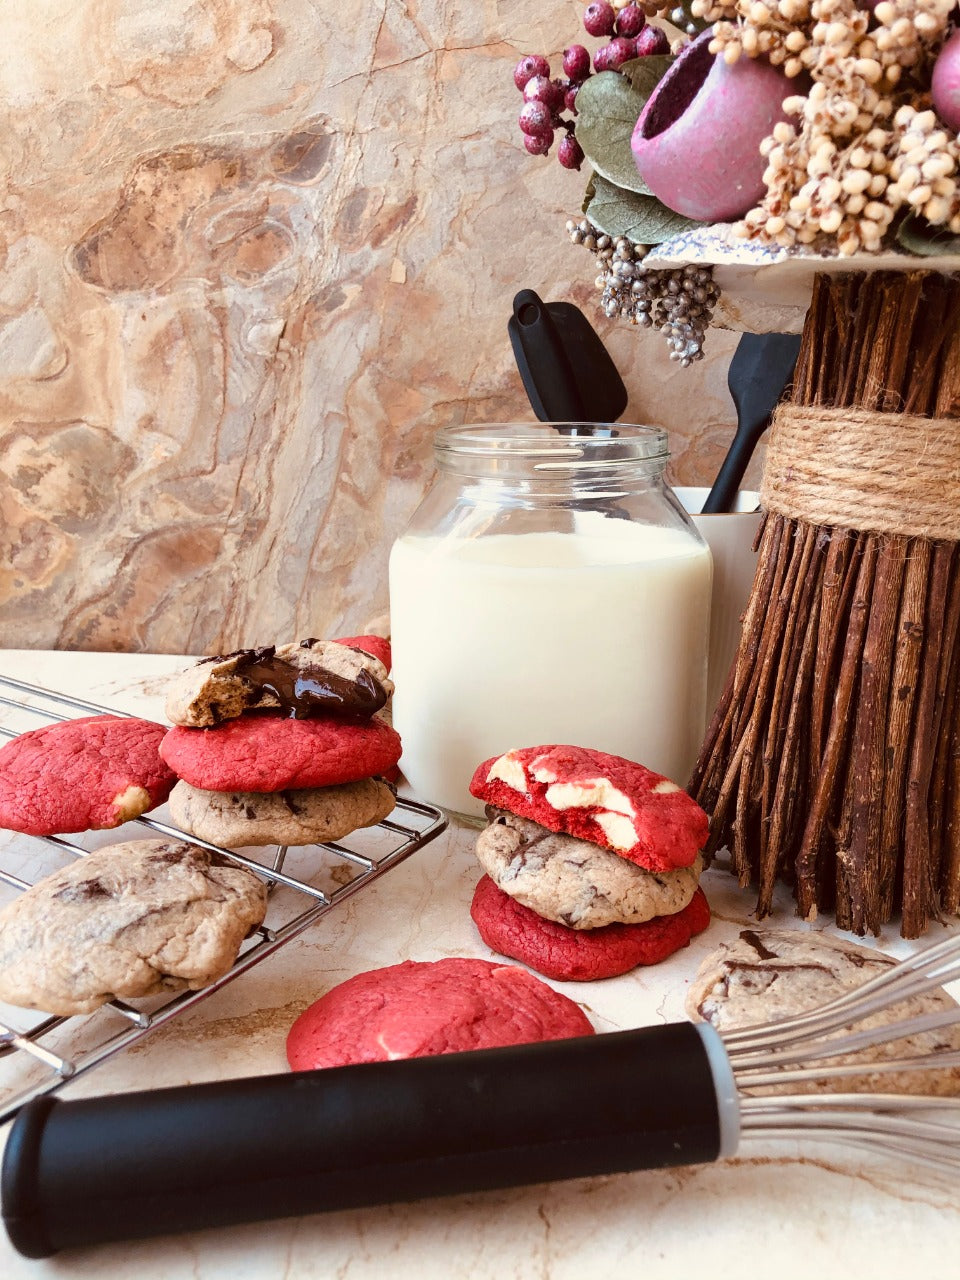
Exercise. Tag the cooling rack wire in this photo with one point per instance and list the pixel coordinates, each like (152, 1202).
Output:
(40, 1054)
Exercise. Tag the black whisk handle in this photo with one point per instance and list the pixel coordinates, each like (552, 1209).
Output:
(143, 1164)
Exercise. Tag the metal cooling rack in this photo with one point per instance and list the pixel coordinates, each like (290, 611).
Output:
(40, 1054)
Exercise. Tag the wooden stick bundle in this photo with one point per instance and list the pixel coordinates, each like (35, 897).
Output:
(833, 758)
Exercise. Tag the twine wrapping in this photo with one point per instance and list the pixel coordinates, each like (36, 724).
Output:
(859, 469)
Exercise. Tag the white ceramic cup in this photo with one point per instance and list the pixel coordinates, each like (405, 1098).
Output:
(730, 537)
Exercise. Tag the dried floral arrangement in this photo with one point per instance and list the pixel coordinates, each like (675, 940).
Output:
(822, 127)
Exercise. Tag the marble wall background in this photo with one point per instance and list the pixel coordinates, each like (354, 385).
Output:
(252, 254)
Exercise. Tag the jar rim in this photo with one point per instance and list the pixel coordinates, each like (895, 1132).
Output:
(552, 446)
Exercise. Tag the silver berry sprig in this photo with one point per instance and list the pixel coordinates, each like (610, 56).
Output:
(679, 302)
(682, 20)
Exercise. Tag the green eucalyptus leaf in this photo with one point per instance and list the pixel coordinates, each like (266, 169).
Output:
(645, 74)
(608, 107)
(620, 212)
(917, 236)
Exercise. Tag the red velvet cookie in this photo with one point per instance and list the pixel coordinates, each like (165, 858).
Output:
(78, 775)
(610, 801)
(580, 955)
(269, 753)
(417, 1009)
(375, 645)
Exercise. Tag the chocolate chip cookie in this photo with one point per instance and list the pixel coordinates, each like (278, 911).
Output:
(574, 882)
(133, 919)
(313, 815)
(768, 975)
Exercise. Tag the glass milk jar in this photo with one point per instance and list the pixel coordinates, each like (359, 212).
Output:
(549, 589)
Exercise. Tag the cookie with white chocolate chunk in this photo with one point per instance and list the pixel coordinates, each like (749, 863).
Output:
(93, 773)
(610, 801)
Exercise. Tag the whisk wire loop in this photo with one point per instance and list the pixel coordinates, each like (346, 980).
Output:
(850, 1043)
(765, 1077)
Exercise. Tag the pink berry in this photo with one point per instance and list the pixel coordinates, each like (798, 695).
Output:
(539, 144)
(570, 97)
(651, 40)
(599, 18)
(630, 21)
(536, 118)
(532, 65)
(612, 56)
(576, 62)
(570, 153)
(543, 89)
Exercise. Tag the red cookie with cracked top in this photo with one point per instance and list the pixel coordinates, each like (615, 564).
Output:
(377, 646)
(271, 753)
(81, 775)
(615, 803)
(580, 955)
(420, 1008)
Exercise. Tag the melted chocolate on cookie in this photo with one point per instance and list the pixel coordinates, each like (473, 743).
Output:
(302, 692)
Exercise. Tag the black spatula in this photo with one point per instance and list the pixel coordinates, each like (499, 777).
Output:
(762, 365)
(567, 372)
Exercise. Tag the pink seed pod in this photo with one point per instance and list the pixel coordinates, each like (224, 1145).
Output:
(697, 142)
(945, 85)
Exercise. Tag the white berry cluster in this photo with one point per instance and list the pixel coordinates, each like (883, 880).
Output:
(924, 167)
(860, 145)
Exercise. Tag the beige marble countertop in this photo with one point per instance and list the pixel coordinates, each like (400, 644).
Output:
(784, 1210)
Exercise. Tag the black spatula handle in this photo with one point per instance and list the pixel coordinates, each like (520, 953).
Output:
(145, 1164)
(722, 495)
(762, 365)
(543, 361)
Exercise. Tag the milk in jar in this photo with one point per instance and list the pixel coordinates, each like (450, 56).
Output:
(549, 590)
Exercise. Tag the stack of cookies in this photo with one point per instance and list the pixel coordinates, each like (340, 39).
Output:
(282, 745)
(592, 862)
